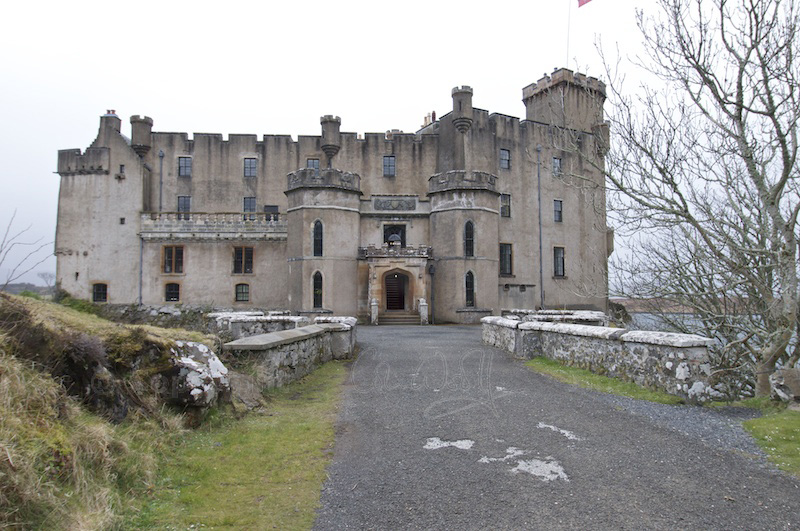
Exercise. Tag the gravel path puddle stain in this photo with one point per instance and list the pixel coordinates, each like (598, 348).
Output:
(434, 443)
(568, 434)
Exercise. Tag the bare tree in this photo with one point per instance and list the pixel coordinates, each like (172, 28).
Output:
(703, 175)
(14, 242)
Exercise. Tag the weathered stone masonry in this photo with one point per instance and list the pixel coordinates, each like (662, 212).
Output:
(675, 363)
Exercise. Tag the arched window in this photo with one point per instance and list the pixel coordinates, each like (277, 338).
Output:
(317, 238)
(469, 239)
(172, 292)
(469, 285)
(318, 289)
(242, 292)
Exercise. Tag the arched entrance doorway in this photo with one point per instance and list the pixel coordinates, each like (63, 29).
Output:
(396, 288)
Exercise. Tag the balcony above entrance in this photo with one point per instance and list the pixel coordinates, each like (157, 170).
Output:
(389, 251)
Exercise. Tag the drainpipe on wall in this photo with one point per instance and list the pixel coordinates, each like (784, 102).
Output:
(141, 263)
(160, 179)
(431, 271)
(539, 194)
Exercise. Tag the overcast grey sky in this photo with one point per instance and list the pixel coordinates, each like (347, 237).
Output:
(266, 68)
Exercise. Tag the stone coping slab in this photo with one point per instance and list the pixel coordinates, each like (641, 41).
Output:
(667, 338)
(277, 339)
(600, 332)
(500, 321)
(350, 322)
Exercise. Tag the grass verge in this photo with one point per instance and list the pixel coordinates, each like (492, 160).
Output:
(777, 432)
(596, 382)
(261, 472)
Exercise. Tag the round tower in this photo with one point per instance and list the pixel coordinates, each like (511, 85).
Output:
(331, 137)
(141, 128)
(323, 235)
(464, 231)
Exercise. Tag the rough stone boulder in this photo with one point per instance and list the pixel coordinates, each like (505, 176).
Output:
(198, 378)
(785, 385)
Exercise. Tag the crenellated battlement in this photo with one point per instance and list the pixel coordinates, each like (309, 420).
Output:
(563, 76)
(93, 160)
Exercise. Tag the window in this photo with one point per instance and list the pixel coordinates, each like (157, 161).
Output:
(184, 166)
(272, 212)
(397, 231)
(317, 290)
(185, 206)
(506, 259)
(556, 167)
(172, 292)
(558, 262)
(557, 211)
(505, 159)
(317, 238)
(122, 221)
(173, 259)
(242, 292)
(99, 292)
(249, 167)
(469, 285)
(242, 260)
(313, 164)
(505, 205)
(388, 166)
(249, 206)
(469, 239)
(122, 168)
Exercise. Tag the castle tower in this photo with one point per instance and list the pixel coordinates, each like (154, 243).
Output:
(323, 235)
(565, 99)
(141, 129)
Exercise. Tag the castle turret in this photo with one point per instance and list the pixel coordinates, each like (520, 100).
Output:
(462, 108)
(140, 134)
(331, 138)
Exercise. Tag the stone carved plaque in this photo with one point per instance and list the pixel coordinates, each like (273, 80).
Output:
(395, 204)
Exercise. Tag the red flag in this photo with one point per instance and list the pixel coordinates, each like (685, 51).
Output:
(583, 2)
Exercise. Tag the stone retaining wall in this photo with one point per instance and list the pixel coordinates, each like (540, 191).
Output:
(278, 358)
(236, 325)
(675, 363)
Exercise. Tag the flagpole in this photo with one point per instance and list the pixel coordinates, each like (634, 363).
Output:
(569, 26)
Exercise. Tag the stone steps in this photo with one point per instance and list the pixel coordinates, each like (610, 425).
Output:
(400, 318)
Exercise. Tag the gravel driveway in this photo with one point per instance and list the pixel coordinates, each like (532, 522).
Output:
(438, 431)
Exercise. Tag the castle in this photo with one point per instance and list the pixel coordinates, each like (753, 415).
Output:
(472, 213)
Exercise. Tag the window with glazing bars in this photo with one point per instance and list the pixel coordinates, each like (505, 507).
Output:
(557, 211)
(313, 164)
(558, 261)
(99, 292)
(172, 292)
(317, 238)
(249, 206)
(242, 292)
(506, 256)
(505, 205)
(184, 166)
(469, 286)
(242, 260)
(317, 290)
(249, 167)
(389, 166)
(505, 159)
(556, 167)
(173, 259)
(184, 206)
(469, 239)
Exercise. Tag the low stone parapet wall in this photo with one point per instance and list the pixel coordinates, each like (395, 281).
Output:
(278, 358)
(675, 363)
(243, 324)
